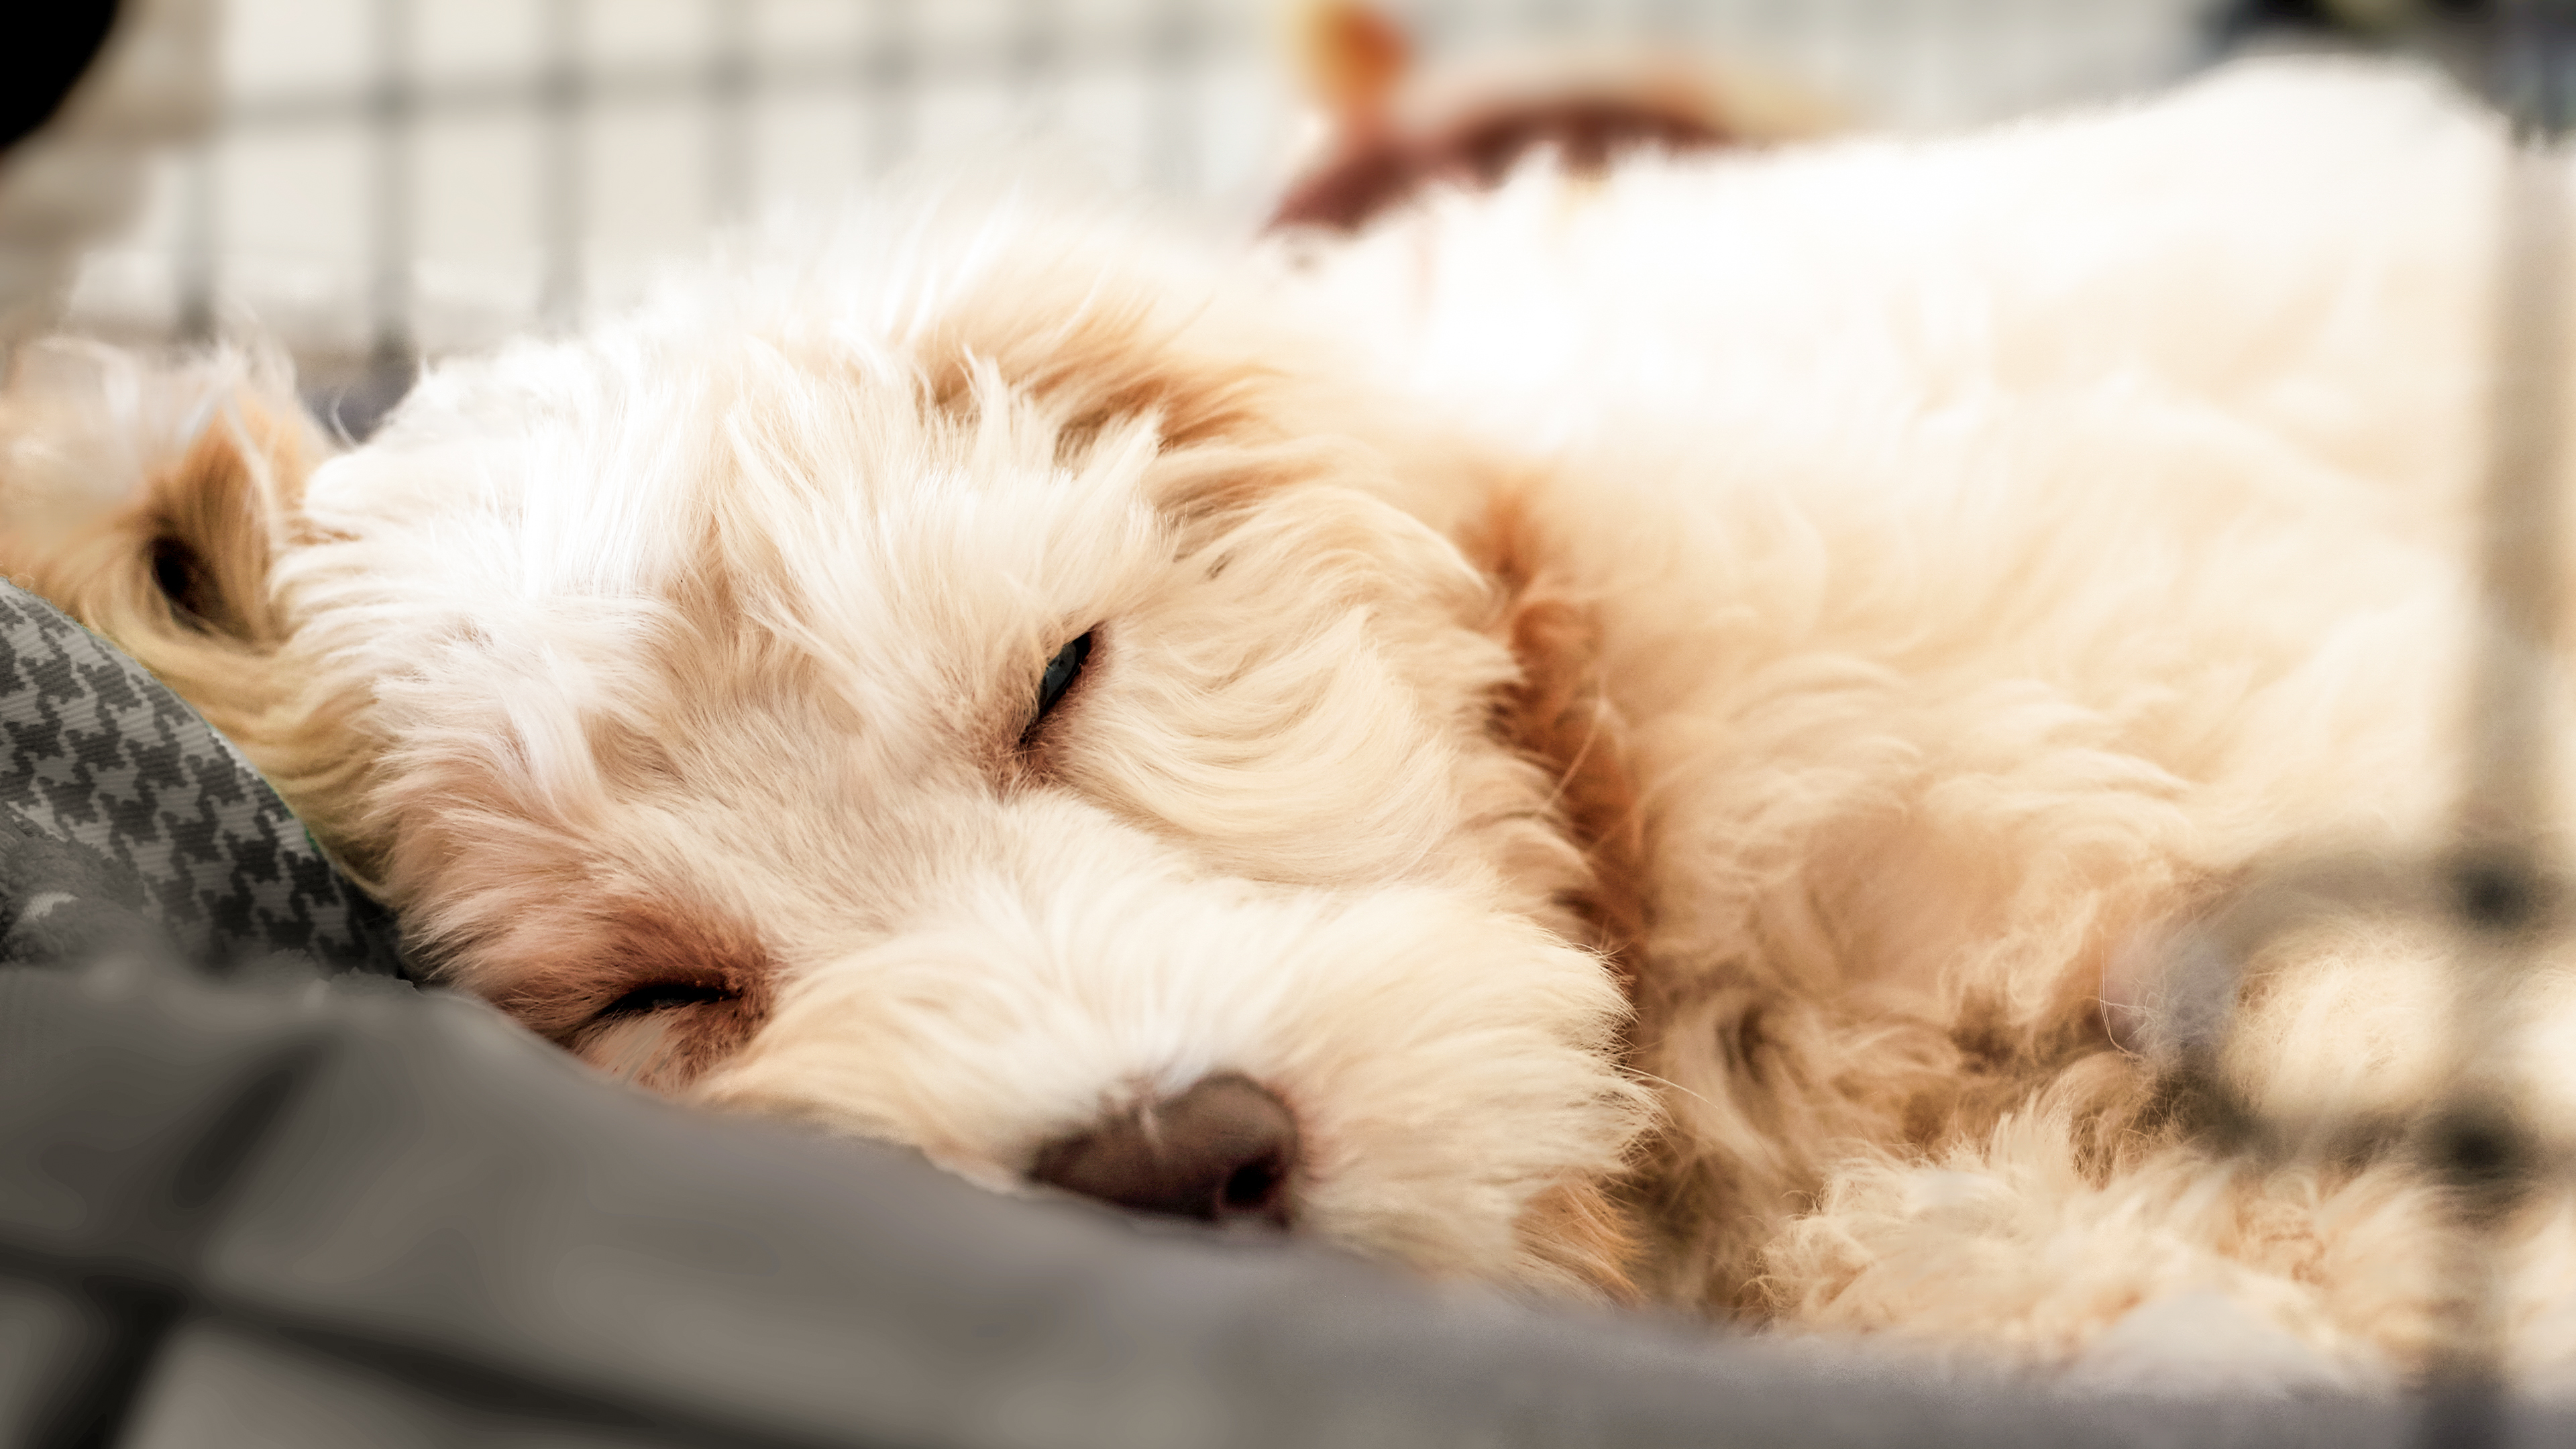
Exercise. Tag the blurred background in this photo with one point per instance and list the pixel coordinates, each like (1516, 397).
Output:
(387, 178)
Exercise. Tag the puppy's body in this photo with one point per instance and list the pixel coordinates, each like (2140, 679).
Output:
(1994, 548)
(1856, 594)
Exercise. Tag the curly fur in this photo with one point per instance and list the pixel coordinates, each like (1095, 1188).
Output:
(1649, 739)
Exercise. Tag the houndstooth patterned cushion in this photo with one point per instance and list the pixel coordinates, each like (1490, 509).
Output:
(123, 817)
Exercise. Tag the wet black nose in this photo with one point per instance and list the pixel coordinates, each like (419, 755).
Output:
(1221, 1152)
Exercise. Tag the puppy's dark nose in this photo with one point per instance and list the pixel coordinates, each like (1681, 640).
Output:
(1220, 1152)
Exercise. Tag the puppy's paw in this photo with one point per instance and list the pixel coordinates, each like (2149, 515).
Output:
(2202, 1343)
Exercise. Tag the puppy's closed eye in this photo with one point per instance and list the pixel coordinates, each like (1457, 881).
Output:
(662, 995)
(654, 994)
(1061, 672)
(661, 1033)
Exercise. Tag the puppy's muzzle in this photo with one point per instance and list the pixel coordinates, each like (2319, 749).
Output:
(1222, 1152)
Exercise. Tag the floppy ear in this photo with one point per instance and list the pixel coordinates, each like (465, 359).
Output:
(150, 503)
(1557, 715)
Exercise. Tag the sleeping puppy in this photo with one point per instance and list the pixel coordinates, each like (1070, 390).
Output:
(1603, 741)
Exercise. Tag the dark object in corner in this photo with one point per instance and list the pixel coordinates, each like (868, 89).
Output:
(49, 48)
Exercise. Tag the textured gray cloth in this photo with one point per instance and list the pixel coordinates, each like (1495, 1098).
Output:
(234, 1213)
(123, 817)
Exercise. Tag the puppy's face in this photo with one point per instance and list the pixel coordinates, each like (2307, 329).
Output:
(1009, 730)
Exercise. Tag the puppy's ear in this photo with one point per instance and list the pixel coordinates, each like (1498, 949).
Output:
(150, 502)
(1558, 715)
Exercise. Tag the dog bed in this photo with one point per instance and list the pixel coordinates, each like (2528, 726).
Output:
(131, 824)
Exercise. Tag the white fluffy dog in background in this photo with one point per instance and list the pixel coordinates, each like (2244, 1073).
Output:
(1603, 735)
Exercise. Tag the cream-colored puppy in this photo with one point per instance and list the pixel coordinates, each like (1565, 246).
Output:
(1624, 766)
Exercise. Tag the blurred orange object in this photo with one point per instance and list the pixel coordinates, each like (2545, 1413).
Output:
(1389, 131)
